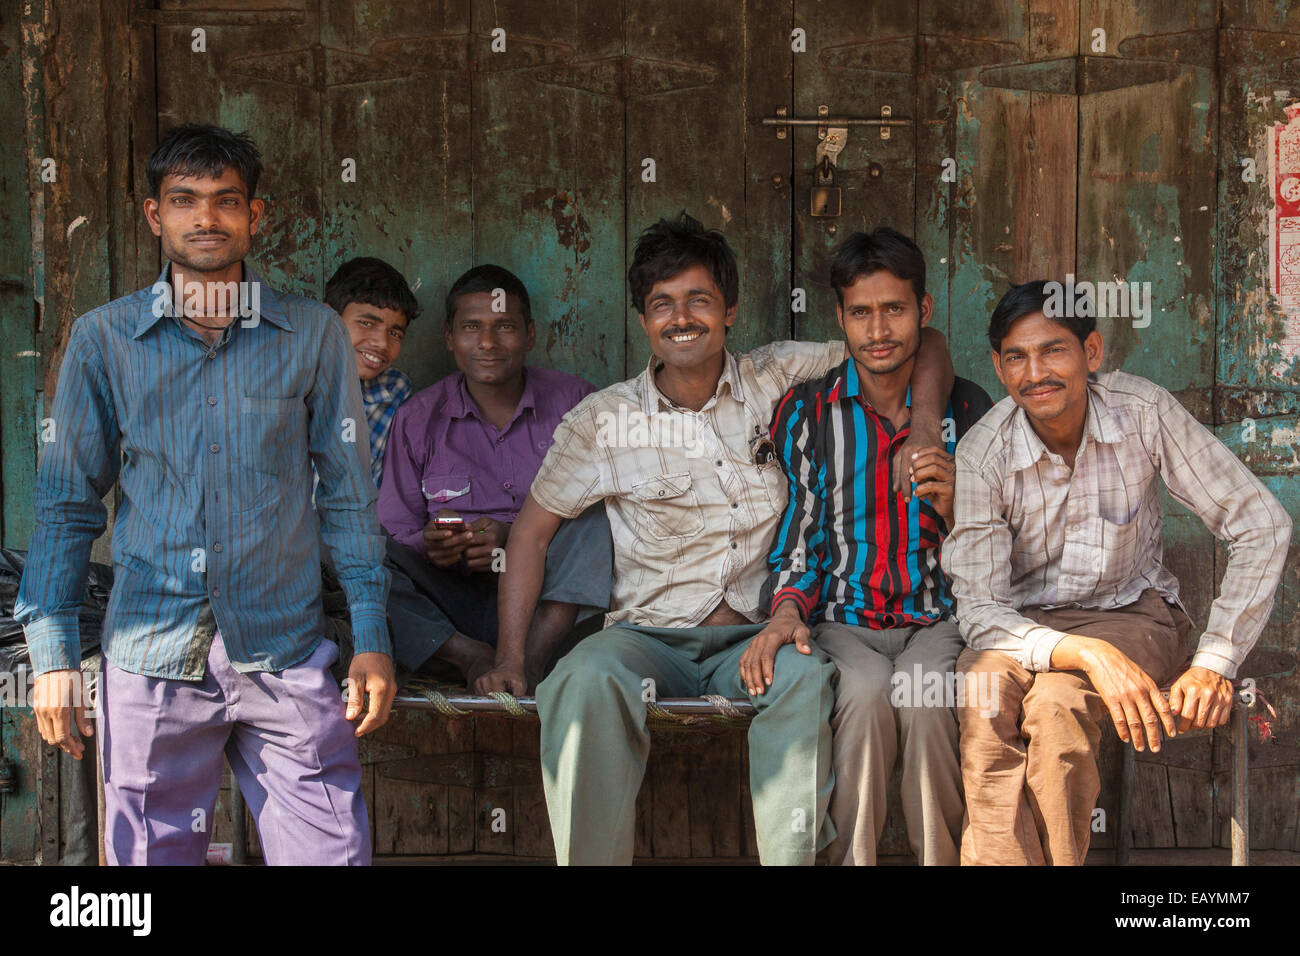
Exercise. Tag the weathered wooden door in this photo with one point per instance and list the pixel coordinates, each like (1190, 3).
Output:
(541, 137)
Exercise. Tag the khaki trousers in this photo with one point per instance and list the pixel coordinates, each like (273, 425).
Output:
(892, 694)
(1030, 769)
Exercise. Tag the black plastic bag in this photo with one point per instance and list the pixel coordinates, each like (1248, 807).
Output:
(13, 647)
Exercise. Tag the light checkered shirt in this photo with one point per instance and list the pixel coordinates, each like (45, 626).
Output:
(1029, 533)
(692, 521)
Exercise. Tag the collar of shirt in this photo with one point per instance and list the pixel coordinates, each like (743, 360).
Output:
(652, 399)
(460, 404)
(267, 302)
(848, 385)
(1099, 424)
(387, 388)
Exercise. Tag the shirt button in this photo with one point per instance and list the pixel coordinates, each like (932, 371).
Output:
(212, 399)
(212, 355)
(735, 504)
(217, 547)
(506, 486)
(734, 546)
(214, 448)
(501, 439)
(718, 462)
(216, 592)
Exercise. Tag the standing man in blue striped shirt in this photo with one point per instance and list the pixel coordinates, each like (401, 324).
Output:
(858, 563)
(208, 398)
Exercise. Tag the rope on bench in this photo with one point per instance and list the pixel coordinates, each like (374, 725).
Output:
(681, 712)
(509, 703)
(684, 712)
(439, 701)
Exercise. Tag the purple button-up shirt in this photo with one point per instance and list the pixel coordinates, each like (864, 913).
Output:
(444, 454)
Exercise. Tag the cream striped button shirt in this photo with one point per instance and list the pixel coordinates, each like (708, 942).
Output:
(1031, 533)
(691, 510)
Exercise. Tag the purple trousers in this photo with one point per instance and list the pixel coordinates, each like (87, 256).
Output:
(293, 755)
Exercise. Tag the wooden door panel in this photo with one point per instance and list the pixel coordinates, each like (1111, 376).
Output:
(1146, 196)
(694, 106)
(996, 119)
(548, 178)
(860, 58)
(396, 100)
(262, 81)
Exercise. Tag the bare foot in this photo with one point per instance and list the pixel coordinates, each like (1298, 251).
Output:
(472, 658)
(483, 662)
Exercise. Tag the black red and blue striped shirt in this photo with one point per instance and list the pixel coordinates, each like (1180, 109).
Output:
(849, 548)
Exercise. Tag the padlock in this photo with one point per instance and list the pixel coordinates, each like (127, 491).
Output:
(825, 192)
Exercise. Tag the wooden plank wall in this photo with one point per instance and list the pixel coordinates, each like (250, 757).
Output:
(1122, 162)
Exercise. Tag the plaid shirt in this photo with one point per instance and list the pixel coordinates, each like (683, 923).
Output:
(692, 507)
(1032, 533)
(383, 394)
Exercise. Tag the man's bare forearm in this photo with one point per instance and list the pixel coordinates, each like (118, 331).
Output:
(932, 378)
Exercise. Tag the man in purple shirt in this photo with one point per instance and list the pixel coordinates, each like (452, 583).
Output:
(461, 458)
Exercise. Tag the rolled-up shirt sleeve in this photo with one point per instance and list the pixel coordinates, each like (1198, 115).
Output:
(573, 475)
(977, 558)
(1207, 478)
(786, 364)
(79, 464)
(346, 496)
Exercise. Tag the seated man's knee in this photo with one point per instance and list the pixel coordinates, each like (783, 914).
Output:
(863, 694)
(596, 664)
(927, 718)
(1057, 706)
(791, 668)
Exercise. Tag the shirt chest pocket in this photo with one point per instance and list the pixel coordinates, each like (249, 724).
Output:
(442, 490)
(272, 433)
(775, 485)
(1119, 549)
(667, 507)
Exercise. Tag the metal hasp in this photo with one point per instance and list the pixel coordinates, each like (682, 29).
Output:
(886, 121)
(8, 776)
(826, 199)
(826, 194)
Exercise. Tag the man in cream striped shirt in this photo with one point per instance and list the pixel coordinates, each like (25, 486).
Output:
(1062, 596)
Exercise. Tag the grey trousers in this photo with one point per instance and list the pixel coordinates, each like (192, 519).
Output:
(427, 604)
(891, 694)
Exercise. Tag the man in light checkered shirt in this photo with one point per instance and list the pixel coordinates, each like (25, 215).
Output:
(1062, 597)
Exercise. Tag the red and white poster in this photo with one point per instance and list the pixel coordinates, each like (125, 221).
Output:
(1284, 225)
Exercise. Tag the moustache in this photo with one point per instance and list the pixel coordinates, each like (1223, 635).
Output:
(669, 333)
(1050, 383)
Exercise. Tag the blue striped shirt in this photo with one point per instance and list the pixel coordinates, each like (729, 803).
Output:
(213, 448)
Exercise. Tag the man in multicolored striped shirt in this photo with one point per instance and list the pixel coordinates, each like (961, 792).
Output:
(859, 563)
